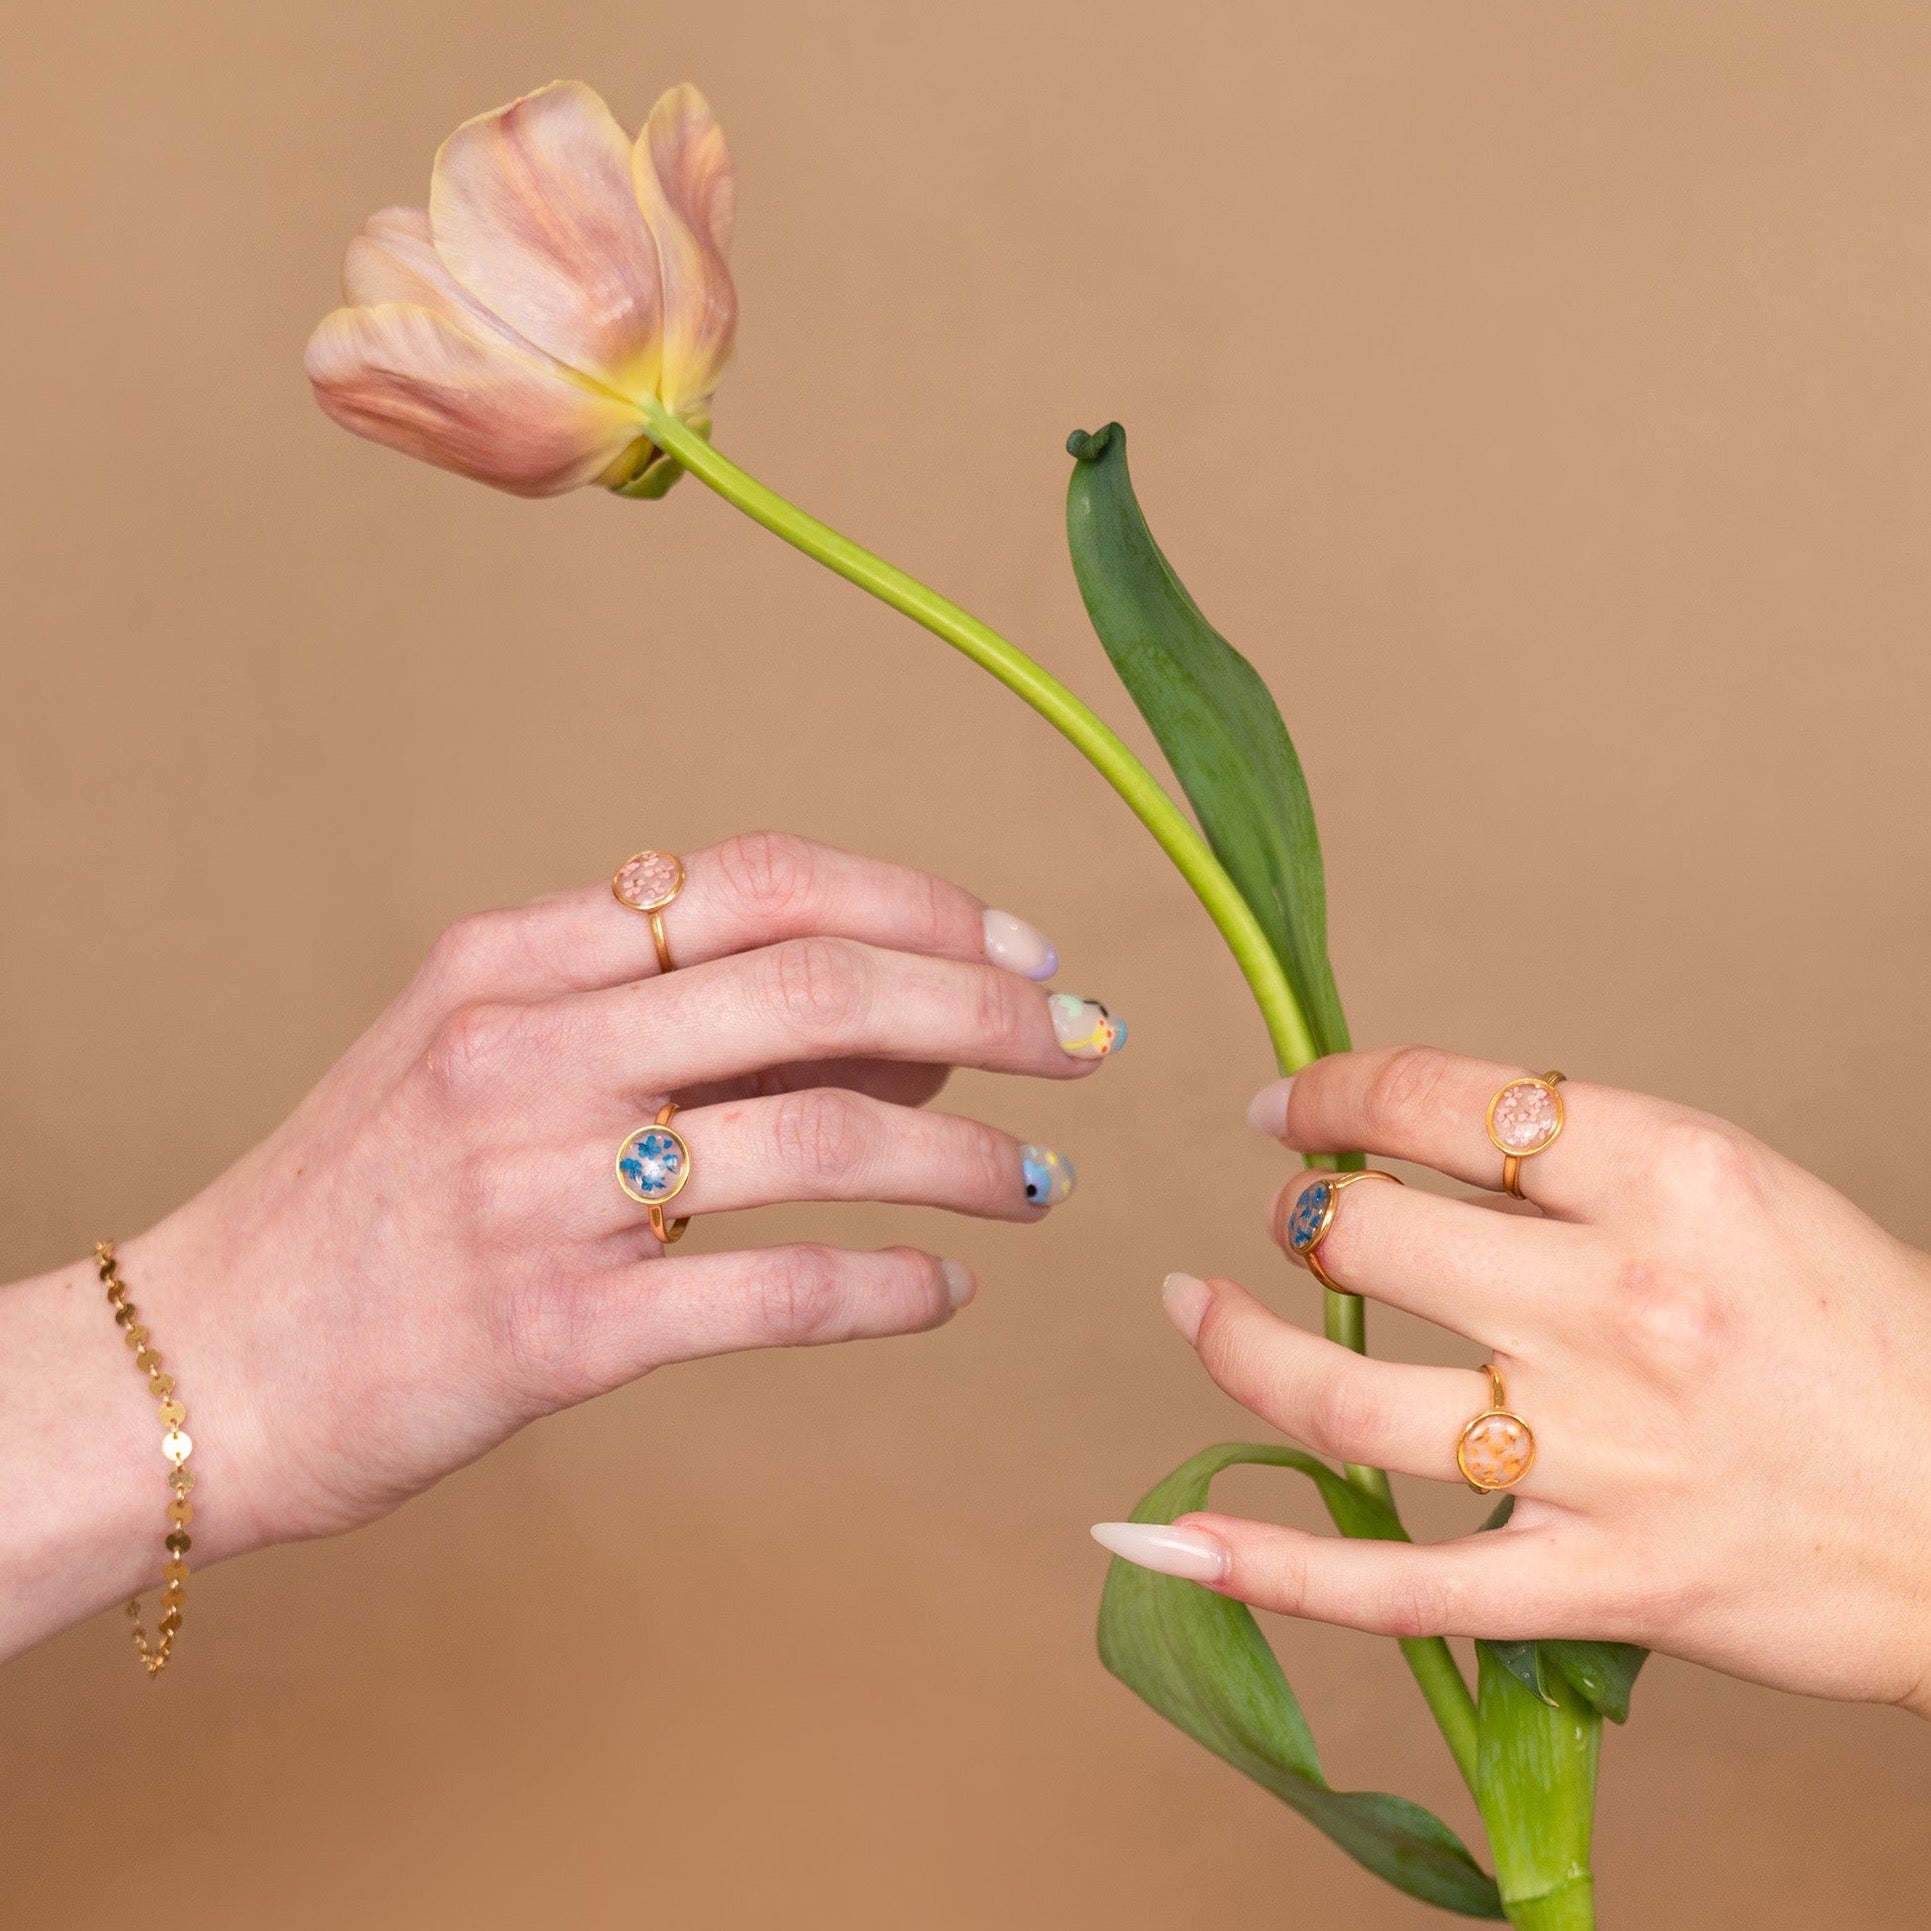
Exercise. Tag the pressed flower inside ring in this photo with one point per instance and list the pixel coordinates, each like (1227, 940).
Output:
(652, 1165)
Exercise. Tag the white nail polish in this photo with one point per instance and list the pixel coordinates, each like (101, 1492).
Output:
(1185, 1298)
(1267, 1110)
(960, 1286)
(1190, 1554)
(1084, 1027)
(1019, 947)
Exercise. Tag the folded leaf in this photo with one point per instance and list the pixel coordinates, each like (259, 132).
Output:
(1602, 1674)
(1201, 1661)
(1214, 719)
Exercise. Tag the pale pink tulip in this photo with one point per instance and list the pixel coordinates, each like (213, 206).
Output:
(560, 275)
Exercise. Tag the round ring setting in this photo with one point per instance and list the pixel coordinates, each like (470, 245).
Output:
(653, 1165)
(1524, 1118)
(646, 882)
(1497, 1447)
(1311, 1218)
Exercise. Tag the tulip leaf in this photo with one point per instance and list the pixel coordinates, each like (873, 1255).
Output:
(1602, 1674)
(1201, 1661)
(1214, 718)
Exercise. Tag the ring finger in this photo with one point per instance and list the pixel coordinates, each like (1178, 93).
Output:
(833, 1144)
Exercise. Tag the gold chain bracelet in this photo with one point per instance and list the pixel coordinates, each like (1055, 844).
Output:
(177, 1448)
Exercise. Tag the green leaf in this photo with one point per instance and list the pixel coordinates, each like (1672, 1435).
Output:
(1201, 1661)
(1602, 1674)
(1220, 729)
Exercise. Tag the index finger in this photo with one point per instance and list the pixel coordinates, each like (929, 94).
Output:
(750, 891)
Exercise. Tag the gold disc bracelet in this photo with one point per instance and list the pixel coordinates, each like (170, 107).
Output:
(177, 1448)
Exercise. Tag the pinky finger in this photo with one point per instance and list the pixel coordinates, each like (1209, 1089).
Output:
(650, 1313)
(1507, 1584)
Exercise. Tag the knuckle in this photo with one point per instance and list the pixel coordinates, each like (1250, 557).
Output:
(465, 955)
(1344, 1412)
(1703, 1166)
(1410, 1085)
(767, 875)
(1001, 1003)
(800, 1294)
(477, 1050)
(822, 1134)
(1669, 1315)
(1424, 1604)
(818, 986)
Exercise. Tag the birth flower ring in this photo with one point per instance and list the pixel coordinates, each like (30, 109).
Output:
(652, 1166)
(1523, 1119)
(1312, 1215)
(647, 883)
(1497, 1448)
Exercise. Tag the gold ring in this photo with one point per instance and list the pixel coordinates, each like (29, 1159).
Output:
(1497, 1448)
(1524, 1118)
(653, 1164)
(647, 882)
(1312, 1215)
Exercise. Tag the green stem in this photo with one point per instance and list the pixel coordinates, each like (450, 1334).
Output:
(1433, 1664)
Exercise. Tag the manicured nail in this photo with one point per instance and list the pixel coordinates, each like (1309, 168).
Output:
(1012, 943)
(1086, 1029)
(960, 1286)
(1049, 1175)
(1267, 1110)
(1191, 1554)
(1185, 1300)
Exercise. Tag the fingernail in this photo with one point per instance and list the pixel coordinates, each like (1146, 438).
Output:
(1019, 947)
(959, 1283)
(1085, 1028)
(1049, 1175)
(1267, 1110)
(1185, 1300)
(1191, 1554)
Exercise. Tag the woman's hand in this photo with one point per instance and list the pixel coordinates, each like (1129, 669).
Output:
(434, 1249)
(1726, 1366)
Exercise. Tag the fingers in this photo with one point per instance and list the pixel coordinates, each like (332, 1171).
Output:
(1352, 1407)
(831, 1144)
(1506, 1584)
(1486, 1275)
(1418, 1103)
(582, 1338)
(747, 892)
(803, 999)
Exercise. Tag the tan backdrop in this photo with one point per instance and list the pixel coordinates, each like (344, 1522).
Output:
(1539, 394)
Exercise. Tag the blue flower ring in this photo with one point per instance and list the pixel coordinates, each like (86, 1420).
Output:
(1310, 1218)
(653, 1165)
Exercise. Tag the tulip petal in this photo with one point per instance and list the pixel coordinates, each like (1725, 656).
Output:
(687, 189)
(533, 212)
(420, 382)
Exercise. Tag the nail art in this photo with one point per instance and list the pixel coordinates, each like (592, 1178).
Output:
(1049, 1175)
(1085, 1028)
(1191, 1554)
(1019, 947)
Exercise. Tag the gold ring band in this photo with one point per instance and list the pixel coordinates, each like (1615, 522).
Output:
(1525, 1117)
(646, 882)
(653, 1165)
(1497, 1447)
(1310, 1218)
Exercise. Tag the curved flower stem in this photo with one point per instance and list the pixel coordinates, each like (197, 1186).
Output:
(1433, 1665)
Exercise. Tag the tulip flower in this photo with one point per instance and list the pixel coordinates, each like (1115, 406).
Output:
(561, 277)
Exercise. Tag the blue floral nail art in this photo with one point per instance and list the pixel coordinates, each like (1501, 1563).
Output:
(1049, 1175)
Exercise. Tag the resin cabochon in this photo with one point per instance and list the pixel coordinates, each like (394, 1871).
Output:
(1495, 1450)
(654, 1163)
(1525, 1118)
(1304, 1223)
(649, 881)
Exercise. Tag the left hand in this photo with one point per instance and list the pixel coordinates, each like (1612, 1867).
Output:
(1726, 1366)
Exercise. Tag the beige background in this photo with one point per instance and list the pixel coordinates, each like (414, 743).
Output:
(1537, 393)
